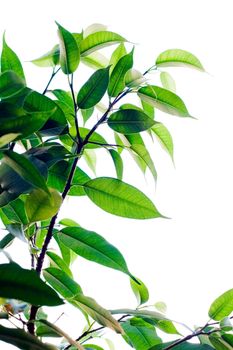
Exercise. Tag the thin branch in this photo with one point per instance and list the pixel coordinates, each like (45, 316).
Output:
(50, 80)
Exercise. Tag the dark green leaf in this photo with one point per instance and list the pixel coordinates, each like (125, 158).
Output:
(117, 78)
(164, 100)
(222, 306)
(219, 343)
(183, 346)
(119, 52)
(80, 177)
(10, 61)
(58, 175)
(5, 241)
(120, 198)
(15, 212)
(21, 284)
(94, 89)
(117, 162)
(178, 58)
(129, 121)
(56, 261)
(10, 84)
(69, 51)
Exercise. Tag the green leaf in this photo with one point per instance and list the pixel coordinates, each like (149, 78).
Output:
(21, 284)
(97, 312)
(142, 152)
(10, 61)
(117, 160)
(93, 28)
(148, 109)
(80, 177)
(99, 40)
(225, 324)
(23, 340)
(134, 78)
(183, 346)
(228, 338)
(56, 261)
(140, 291)
(140, 335)
(119, 198)
(219, 344)
(26, 169)
(58, 175)
(178, 58)
(129, 121)
(166, 326)
(5, 139)
(65, 97)
(222, 306)
(95, 137)
(44, 330)
(61, 282)
(41, 206)
(49, 59)
(167, 81)
(90, 158)
(69, 51)
(92, 347)
(95, 60)
(86, 114)
(161, 306)
(94, 89)
(16, 230)
(119, 52)
(5, 241)
(164, 100)
(68, 222)
(93, 247)
(164, 137)
(117, 78)
(10, 84)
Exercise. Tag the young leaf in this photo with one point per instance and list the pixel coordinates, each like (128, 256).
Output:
(10, 61)
(18, 283)
(164, 100)
(164, 137)
(97, 312)
(140, 291)
(93, 28)
(222, 306)
(49, 59)
(95, 60)
(69, 51)
(94, 89)
(90, 158)
(41, 206)
(129, 121)
(99, 40)
(61, 282)
(23, 340)
(134, 78)
(119, 198)
(167, 81)
(10, 84)
(56, 261)
(92, 246)
(117, 78)
(178, 58)
(117, 160)
(26, 169)
(142, 152)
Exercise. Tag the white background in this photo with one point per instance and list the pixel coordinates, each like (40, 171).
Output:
(187, 260)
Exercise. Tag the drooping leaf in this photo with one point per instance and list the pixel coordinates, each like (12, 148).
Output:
(177, 57)
(117, 78)
(10, 84)
(164, 137)
(49, 59)
(164, 100)
(69, 51)
(26, 169)
(148, 109)
(58, 262)
(222, 306)
(140, 291)
(167, 81)
(61, 282)
(97, 312)
(92, 246)
(95, 60)
(10, 61)
(86, 114)
(41, 206)
(129, 121)
(94, 89)
(119, 52)
(120, 198)
(99, 40)
(142, 152)
(23, 340)
(21, 284)
(134, 78)
(117, 160)
(91, 159)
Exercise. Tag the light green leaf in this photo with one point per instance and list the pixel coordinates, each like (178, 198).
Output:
(134, 78)
(93, 247)
(161, 306)
(164, 100)
(90, 158)
(117, 78)
(95, 137)
(26, 169)
(129, 121)
(148, 109)
(97, 312)
(10, 61)
(56, 261)
(5, 139)
(17, 231)
(69, 51)
(94, 89)
(117, 160)
(167, 81)
(61, 282)
(68, 222)
(119, 198)
(10, 84)
(219, 344)
(49, 59)
(86, 114)
(23, 340)
(142, 152)
(41, 206)
(93, 28)
(21, 284)
(164, 137)
(119, 52)
(99, 40)
(140, 291)
(95, 60)
(222, 306)
(178, 58)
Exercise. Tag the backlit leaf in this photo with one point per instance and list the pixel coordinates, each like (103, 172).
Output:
(117, 162)
(222, 306)
(10, 61)
(164, 137)
(177, 57)
(10, 84)
(49, 59)
(142, 152)
(167, 81)
(140, 291)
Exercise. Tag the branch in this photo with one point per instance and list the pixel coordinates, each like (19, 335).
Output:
(50, 80)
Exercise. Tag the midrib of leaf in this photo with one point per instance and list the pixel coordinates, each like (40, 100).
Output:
(91, 90)
(59, 282)
(165, 103)
(118, 78)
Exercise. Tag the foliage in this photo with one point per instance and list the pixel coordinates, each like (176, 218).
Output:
(42, 138)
